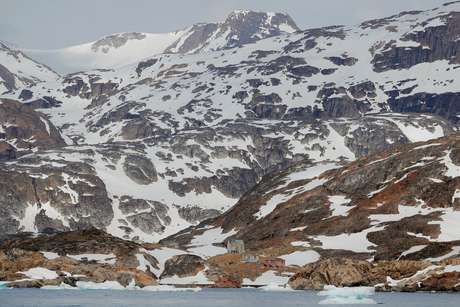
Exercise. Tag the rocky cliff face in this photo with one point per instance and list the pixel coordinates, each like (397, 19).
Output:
(23, 130)
(240, 28)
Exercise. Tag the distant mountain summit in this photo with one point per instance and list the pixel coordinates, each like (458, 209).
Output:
(241, 27)
(115, 50)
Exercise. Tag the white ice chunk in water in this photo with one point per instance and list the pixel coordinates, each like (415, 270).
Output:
(347, 296)
(274, 287)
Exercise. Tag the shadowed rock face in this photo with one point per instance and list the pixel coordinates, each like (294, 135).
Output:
(196, 214)
(183, 266)
(22, 129)
(140, 169)
(437, 42)
(71, 191)
(7, 78)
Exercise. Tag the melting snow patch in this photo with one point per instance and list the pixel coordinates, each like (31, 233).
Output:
(40, 273)
(198, 279)
(453, 170)
(50, 255)
(267, 278)
(143, 263)
(300, 243)
(299, 228)
(203, 245)
(347, 296)
(338, 205)
(452, 268)
(301, 258)
(356, 242)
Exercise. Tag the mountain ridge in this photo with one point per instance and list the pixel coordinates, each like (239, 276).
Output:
(119, 49)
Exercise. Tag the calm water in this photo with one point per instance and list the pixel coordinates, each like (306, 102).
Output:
(207, 297)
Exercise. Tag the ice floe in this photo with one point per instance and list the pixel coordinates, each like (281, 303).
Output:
(347, 296)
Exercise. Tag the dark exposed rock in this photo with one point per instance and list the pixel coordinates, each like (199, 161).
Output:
(44, 102)
(149, 216)
(183, 266)
(26, 128)
(200, 33)
(304, 71)
(343, 61)
(196, 214)
(145, 64)
(436, 43)
(140, 169)
(444, 105)
(25, 94)
(364, 89)
(7, 78)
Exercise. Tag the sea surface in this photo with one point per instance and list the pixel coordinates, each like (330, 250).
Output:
(207, 297)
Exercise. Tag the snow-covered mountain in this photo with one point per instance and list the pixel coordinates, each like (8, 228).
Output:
(240, 28)
(111, 51)
(19, 71)
(175, 138)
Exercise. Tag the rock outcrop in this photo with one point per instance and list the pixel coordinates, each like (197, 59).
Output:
(89, 255)
(183, 266)
(23, 130)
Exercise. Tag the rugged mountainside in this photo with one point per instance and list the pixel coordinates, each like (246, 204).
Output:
(151, 189)
(240, 28)
(174, 139)
(388, 220)
(320, 73)
(399, 204)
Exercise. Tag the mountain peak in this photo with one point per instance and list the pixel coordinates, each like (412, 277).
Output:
(280, 21)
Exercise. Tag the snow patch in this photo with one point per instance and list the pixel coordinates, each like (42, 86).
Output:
(40, 273)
